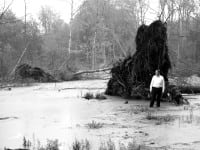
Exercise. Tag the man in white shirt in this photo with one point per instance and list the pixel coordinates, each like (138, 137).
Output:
(157, 88)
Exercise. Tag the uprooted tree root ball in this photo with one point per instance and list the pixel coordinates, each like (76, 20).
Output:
(135, 72)
(26, 71)
(130, 78)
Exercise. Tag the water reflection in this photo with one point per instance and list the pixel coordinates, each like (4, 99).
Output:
(189, 119)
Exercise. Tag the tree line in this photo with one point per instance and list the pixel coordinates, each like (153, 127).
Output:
(100, 32)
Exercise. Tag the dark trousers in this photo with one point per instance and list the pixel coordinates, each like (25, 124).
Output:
(155, 96)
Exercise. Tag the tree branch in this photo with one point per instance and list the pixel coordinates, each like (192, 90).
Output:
(5, 10)
(91, 71)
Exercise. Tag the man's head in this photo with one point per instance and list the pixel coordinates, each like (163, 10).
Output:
(157, 72)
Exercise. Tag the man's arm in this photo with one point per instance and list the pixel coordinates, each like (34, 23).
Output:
(151, 84)
(163, 86)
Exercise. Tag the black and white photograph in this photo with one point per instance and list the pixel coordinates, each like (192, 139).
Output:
(99, 74)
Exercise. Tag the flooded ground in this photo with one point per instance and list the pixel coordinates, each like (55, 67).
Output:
(58, 111)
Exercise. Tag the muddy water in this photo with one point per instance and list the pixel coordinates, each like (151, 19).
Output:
(46, 111)
(58, 111)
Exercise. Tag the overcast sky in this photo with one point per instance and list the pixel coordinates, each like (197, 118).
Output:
(62, 7)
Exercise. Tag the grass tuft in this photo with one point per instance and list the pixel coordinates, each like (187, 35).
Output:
(109, 145)
(83, 145)
(52, 145)
(88, 96)
(100, 96)
(94, 125)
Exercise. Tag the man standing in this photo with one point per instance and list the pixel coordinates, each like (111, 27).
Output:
(157, 88)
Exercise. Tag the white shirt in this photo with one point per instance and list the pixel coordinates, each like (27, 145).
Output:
(158, 82)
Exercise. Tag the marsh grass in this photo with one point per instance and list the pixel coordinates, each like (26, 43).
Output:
(26, 143)
(94, 125)
(160, 119)
(52, 145)
(109, 145)
(100, 96)
(81, 145)
(88, 96)
(85, 145)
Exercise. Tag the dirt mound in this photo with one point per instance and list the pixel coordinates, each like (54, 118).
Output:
(25, 71)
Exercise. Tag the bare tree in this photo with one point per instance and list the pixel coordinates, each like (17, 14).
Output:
(94, 52)
(143, 8)
(5, 8)
(25, 39)
(47, 17)
(25, 7)
(163, 4)
(70, 27)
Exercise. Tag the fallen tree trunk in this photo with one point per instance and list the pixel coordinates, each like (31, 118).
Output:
(19, 60)
(91, 71)
(81, 88)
